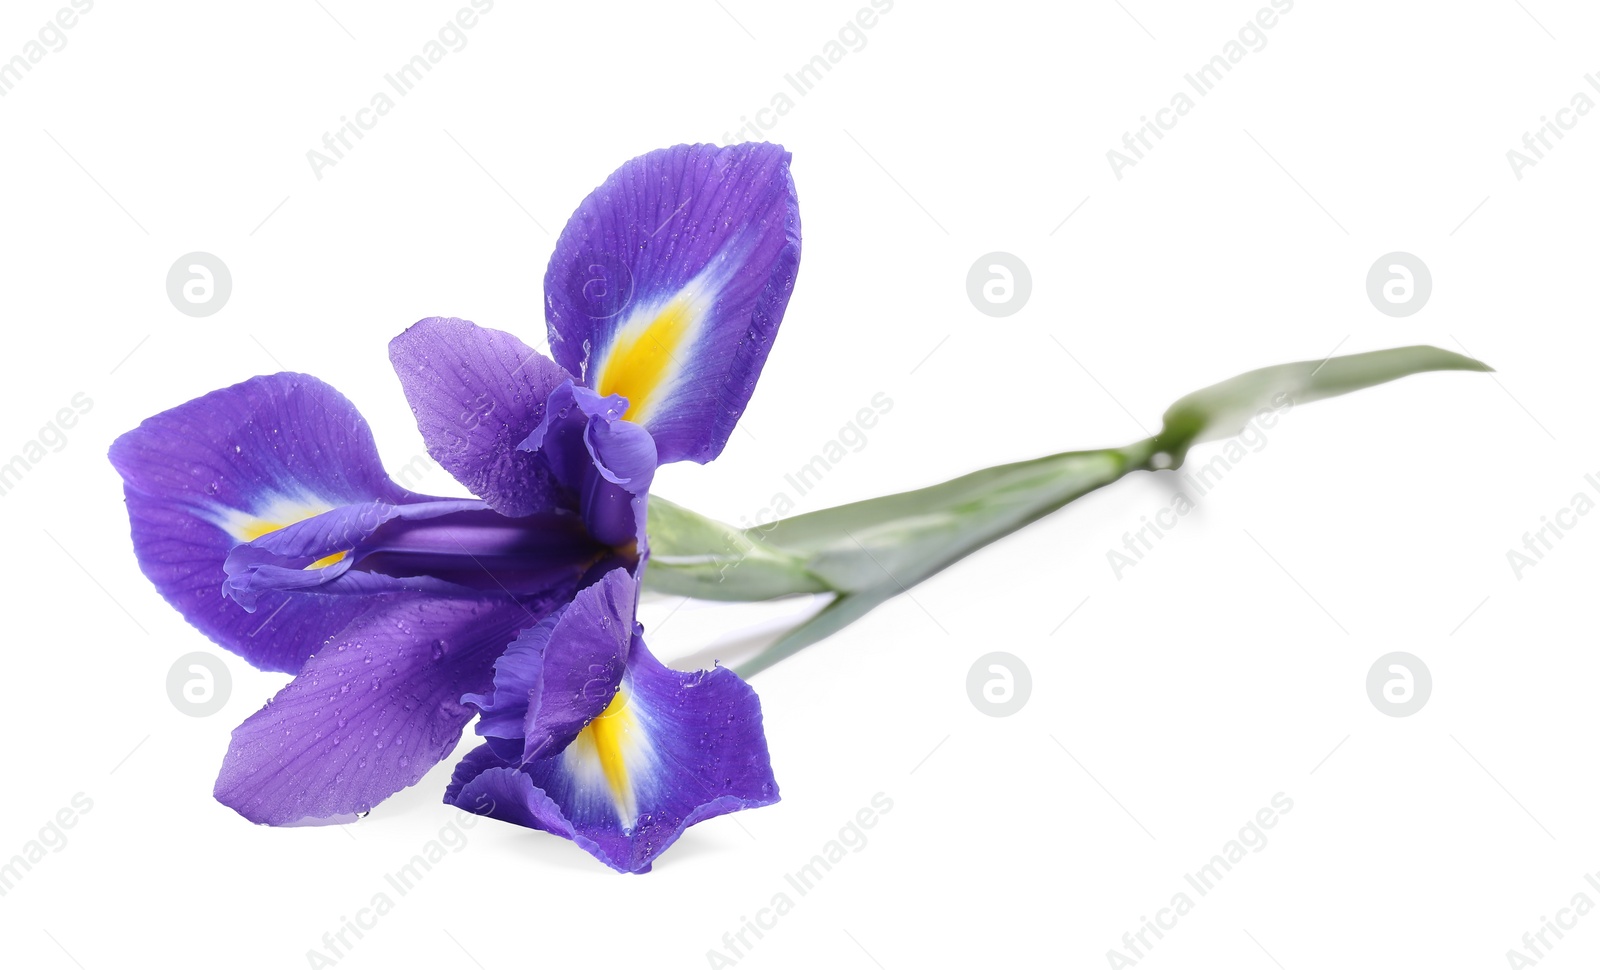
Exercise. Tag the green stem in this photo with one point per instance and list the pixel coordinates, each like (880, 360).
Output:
(868, 552)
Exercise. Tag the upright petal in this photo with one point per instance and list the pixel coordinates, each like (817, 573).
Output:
(604, 463)
(477, 393)
(668, 283)
(235, 465)
(370, 713)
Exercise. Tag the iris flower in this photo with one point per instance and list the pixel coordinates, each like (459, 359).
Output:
(263, 514)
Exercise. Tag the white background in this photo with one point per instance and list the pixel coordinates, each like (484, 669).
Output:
(1222, 670)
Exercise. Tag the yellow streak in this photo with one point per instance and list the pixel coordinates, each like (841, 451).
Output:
(260, 527)
(602, 740)
(640, 357)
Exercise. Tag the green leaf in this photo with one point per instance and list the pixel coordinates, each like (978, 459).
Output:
(867, 552)
(900, 540)
(844, 610)
(1222, 410)
(691, 555)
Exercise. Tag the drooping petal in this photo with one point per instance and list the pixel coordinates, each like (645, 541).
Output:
(376, 708)
(668, 749)
(668, 284)
(584, 664)
(235, 465)
(477, 393)
(560, 674)
(486, 785)
(605, 463)
(478, 761)
(503, 710)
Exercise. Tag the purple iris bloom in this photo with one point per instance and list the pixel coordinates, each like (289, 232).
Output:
(263, 514)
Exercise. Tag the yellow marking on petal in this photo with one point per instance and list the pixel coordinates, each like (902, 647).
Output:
(641, 357)
(256, 528)
(249, 529)
(602, 742)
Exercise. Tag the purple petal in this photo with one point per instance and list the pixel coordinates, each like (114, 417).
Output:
(604, 462)
(316, 552)
(547, 556)
(583, 663)
(484, 785)
(231, 466)
(370, 713)
(559, 675)
(624, 453)
(477, 393)
(447, 547)
(503, 710)
(668, 283)
(672, 749)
